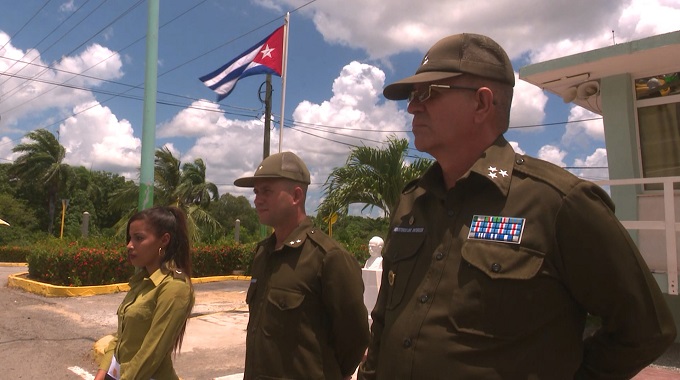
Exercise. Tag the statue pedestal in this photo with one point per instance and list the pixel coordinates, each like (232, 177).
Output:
(371, 279)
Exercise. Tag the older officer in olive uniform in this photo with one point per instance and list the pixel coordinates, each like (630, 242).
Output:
(494, 259)
(307, 313)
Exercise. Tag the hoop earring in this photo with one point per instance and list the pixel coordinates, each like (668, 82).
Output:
(160, 251)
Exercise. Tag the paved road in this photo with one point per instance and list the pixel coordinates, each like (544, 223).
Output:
(47, 337)
(55, 336)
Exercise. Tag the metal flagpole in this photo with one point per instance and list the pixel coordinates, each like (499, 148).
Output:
(286, 26)
(146, 177)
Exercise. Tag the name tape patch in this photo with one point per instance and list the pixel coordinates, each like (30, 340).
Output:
(497, 228)
(409, 229)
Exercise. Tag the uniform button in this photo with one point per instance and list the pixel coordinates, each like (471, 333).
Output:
(450, 213)
(495, 267)
(407, 343)
(424, 298)
(519, 161)
(439, 256)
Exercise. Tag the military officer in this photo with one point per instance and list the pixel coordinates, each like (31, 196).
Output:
(307, 314)
(494, 260)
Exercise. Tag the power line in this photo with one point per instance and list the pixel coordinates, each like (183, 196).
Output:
(25, 24)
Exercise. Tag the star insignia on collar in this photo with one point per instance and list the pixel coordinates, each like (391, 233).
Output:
(267, 52)
(494, 172)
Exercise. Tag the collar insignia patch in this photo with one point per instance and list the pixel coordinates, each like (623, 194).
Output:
(494, 172)
(497, 228)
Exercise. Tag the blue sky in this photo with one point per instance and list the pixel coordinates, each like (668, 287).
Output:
(341, 54)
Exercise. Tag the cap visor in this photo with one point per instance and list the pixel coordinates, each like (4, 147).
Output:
(400, 90)
(245, 182)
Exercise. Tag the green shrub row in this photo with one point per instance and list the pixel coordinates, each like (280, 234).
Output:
(75, 265)
(14, 254)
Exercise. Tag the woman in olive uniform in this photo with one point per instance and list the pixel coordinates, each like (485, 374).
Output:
(152, 317)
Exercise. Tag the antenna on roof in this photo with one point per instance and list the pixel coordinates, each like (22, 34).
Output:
(613, 38)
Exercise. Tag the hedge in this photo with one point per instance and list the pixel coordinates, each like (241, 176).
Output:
(74, 265)
(14, 254)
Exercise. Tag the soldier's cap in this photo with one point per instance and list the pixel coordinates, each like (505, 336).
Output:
(280, 165)
(459, 54)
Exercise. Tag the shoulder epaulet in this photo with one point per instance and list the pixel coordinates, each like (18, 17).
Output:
(320, 238)
(547, 172)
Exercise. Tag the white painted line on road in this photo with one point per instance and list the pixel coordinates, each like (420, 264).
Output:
(236, 376)
(81, 372)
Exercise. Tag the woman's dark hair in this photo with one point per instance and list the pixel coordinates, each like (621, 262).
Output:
(173, 221)
(177, 256)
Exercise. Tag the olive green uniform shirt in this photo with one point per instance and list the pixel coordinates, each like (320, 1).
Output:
(455, 306)
(307, 313)
(149, 320)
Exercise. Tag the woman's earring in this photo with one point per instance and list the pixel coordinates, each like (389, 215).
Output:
(160, 251)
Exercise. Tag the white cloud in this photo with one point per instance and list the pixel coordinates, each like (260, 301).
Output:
(516, 148)
(322, 133)
(552, 154)
(22, 98)
(203, 118)
(528, 105)
(581, 133)
(96, 139)
(596, 160)
(545, 29)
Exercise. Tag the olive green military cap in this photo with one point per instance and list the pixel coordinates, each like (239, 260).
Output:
(280, 165)
(459, 54)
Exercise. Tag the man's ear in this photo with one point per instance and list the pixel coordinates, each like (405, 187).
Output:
(298, 194)
(485, 103)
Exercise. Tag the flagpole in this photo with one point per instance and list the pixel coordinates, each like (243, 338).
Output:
(284, 66)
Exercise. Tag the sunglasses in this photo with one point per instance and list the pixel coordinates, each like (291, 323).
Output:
(422, 95)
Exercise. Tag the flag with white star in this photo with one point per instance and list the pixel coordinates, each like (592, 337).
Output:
(264, 58)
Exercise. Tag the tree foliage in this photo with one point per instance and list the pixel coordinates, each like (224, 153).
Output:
(372, 176)
(41, 163)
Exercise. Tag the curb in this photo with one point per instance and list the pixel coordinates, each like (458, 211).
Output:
(21, 281)
(7, 264)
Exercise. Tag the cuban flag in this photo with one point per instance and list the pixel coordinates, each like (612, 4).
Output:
(264, 58)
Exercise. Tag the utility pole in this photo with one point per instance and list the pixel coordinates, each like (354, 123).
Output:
(267, 115)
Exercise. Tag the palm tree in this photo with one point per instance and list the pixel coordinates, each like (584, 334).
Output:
(371, 176)
(167, 177)
(175, 184)
(193, 188)
(42, 161)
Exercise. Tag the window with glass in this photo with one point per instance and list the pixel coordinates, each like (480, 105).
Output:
(658, 109)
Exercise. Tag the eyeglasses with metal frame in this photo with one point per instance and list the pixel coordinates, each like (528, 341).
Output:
(424, 95)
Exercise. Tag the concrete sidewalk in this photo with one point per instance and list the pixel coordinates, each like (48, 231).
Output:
(217, 330)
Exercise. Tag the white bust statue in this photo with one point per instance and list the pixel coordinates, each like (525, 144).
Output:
(375, 246)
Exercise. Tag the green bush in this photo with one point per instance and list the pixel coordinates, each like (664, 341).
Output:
(101, 262)
(74, 265)
(218, 260)
(14, 254)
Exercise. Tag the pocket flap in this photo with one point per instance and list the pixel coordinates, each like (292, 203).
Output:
(402, 246)
(285, 299)
(503, 261)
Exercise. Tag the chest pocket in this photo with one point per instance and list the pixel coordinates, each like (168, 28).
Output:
(503, 260)
(500, 279)
(285, 299)
(283, 316)
(402, 253)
